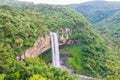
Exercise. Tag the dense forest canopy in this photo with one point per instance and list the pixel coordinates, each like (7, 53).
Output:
(19, 30)
(111, 27)
(22, 23)
(105, 17)
(96, 11)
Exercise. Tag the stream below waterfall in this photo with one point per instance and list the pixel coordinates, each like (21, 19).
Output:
(58, 61)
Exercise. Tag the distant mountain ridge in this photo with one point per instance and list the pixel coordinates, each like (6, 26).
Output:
(96, 11)
(105, 16)
(111, 27)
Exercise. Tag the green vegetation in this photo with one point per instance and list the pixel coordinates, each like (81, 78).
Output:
(20, 28)
(105, 18)
(96, 11)
(46, 56)
(110, 27)
(75, 61)
(32, 69)
(88, 59)
(18, 31)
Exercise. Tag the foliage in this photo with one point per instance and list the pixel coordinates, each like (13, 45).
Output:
(75, 61)
(37, 77)
(96, 11)
(105, 18)
(110, 28)
(46, 56)
(6, 59)
(88, 60)
(115, 66)
(20, 28)
(18, 31)
(35, 69)
(2, 76)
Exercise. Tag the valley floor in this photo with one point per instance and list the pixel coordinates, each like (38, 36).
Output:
(71, 72)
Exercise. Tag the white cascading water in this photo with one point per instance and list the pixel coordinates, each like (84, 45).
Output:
(55, 50)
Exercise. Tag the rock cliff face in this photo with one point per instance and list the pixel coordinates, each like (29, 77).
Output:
(43, 43)
(64, 36)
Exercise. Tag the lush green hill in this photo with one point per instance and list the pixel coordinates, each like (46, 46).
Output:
(20, 28)
(18, 31)
(96, 11)
(105, 18)
(111, 27)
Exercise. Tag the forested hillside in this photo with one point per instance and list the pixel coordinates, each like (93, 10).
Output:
(111, 28)
(105, 17)
(18, 31)
(96, 11)
(21, 26)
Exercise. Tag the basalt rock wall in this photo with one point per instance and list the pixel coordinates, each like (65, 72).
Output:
(43, 43)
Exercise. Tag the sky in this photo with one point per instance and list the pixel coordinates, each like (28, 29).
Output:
(63, 2)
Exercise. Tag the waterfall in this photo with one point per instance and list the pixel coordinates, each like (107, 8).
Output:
(55, 50)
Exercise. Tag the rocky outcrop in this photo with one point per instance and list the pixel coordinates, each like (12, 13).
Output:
(64, 36)
(64, 33)
(43, 43)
